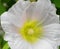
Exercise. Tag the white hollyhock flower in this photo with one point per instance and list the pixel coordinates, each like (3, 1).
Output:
(31, 25)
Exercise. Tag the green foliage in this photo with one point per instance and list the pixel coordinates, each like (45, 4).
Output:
(6, 46)
(33, 0)
(2, 8)
(59, 47)
(2, 42)
(57, 4)
(5, 5)
(58, 11)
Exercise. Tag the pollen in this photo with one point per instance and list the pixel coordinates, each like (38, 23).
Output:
(31, 31)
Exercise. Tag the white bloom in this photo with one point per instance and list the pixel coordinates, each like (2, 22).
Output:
(31, 25)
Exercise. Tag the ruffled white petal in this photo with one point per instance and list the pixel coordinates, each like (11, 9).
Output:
(43, 11)
(45, 44)
(10, 30)
(17, 10)
(42, 44)
(19, 44)
(58, 37)
(19, 7)
(18, 21)
(58, 41)
(52, 31)
(15, 20)
(14, 39)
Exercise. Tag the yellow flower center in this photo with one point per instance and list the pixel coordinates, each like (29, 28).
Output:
(31, 31)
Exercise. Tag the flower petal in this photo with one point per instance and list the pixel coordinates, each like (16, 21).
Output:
(15, 41)
(15, 20)
(52, 31)
(19, 7)
(18, 11)
(45, 13)
(10, 30)
(19, 44)
(45, 44)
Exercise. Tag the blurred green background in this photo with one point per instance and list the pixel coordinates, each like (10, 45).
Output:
(4, 6)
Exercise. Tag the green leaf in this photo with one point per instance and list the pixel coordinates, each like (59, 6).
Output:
(33, 0)
(10, 3)
(6, 46)
(5, 1)
(0, 42)
(59, 47)
(58, 11)
(2, 8)
(56, 2)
